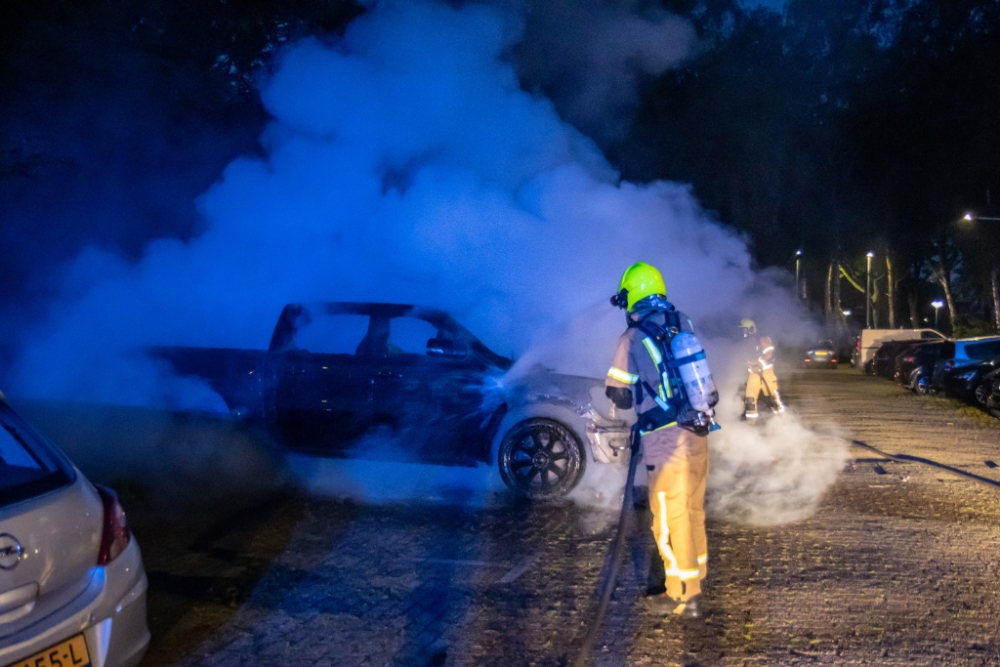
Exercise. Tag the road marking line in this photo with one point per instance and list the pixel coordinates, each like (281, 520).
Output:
(519, 569)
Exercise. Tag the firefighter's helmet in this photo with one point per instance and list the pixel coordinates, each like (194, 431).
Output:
(748, 327)
(639, 281)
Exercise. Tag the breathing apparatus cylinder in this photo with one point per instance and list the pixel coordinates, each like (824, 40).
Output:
(694, 371)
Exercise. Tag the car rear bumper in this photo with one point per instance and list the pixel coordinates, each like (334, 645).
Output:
(110, 612)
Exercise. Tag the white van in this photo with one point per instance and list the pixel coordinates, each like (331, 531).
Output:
(871, 339)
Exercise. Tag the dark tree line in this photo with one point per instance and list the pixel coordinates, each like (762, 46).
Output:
(839, 127)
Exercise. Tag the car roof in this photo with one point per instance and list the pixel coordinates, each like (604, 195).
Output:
(977, 339)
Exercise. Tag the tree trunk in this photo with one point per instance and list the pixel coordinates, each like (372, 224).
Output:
(838, 310)
(874, 304)
(889, 292)
(911, 300)
(995, 279)
(828, 301)
(946, 286)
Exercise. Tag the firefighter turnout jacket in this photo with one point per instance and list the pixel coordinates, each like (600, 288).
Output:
(642, 365)
(761, 377)
(674, 451)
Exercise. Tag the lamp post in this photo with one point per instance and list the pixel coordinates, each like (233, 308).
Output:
(868, 291)
(936, 304)
(798, 262)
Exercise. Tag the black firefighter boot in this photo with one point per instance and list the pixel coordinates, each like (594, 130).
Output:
(663, 604)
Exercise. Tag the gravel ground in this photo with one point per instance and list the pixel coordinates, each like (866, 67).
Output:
(896, 566)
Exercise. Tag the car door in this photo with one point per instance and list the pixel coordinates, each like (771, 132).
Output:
(323, 386)
(429, 390)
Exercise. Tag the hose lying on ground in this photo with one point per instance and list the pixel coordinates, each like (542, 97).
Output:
(615, 554)
(906, 458)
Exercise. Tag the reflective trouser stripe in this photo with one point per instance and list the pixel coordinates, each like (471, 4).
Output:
(664, 544)
(671, 569)
(702, 559)
(684, 575)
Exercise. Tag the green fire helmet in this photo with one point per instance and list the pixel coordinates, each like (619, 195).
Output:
(639, 281)
(749, 327)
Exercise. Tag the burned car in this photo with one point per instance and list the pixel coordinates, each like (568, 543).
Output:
(336, 374)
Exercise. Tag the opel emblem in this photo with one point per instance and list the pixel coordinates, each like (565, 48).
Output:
(10, 551)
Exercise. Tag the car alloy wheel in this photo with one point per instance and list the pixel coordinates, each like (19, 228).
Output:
(540, 458)
(922, 385)
(981, 393)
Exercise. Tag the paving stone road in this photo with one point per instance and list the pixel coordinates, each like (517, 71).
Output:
(897, 566)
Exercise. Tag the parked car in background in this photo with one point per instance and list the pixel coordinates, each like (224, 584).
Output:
(869, 340)
(72, 583)
(883, 363)
(958, 356)
(967, 382)
(992, 384)
(915, 366)
(822, 355)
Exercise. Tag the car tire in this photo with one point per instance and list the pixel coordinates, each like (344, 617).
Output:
(980, 394)
(541, 458)
(922, 385)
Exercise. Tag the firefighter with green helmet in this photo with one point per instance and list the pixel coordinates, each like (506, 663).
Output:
(761, 379)
(660, 369)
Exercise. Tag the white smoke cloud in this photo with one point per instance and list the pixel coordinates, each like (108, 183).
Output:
(591, 55)
(405, 164)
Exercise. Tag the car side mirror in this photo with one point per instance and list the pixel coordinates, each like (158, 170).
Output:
(442, 347)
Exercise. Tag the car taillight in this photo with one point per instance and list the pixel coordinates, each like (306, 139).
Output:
(116, 535)
(909, 359)
(857, 345)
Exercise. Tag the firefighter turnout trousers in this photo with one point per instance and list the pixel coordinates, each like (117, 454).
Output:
(677, 468)
(767, 381)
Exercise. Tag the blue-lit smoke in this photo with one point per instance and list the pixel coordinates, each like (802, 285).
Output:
(405, 164)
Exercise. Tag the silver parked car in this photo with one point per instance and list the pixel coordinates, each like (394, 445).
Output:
(72, 583)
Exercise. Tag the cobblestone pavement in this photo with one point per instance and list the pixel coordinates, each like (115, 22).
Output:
(897, 566)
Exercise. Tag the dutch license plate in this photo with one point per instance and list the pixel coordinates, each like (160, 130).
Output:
(822, 354)
(70, 653)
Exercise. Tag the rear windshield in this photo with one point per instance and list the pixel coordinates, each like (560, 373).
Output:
(28, 466)
(982, 351)
(930, 349)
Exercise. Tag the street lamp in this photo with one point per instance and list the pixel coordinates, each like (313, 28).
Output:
(936, 304)
(972, 217)
(798, 261)
(868, 291)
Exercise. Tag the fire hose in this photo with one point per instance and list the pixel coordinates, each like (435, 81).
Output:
(907, 458)
(616, 552)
